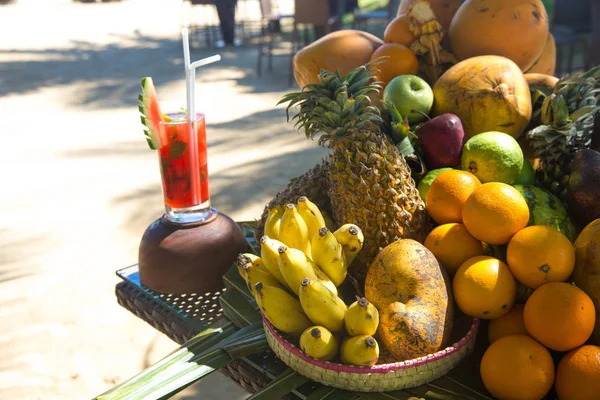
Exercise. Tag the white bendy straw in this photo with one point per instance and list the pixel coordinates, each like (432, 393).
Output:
(190, 91)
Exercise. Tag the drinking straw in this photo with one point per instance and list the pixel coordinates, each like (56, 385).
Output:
(190, 83)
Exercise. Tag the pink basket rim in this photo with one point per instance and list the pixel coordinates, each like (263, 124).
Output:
(378, 368)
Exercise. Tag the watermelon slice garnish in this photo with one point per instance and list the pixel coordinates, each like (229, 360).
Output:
(152, 118)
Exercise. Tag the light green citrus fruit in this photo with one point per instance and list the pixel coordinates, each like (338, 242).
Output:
(493, 157)
(427, 180)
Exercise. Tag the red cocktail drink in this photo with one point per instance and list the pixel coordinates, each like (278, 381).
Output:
(184, 170)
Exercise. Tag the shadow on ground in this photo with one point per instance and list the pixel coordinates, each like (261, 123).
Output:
(112, 72)
(251, 180)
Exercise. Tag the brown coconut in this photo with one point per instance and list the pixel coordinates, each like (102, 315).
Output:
(546, 62)
(516, 29)
(487, 93)
(343, 50)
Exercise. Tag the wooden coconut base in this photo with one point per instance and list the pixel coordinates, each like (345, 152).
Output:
(189, 258)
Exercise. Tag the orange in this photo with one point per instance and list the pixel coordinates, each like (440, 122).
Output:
(495, 212)
(448, 193)
(560, 316)
(484, 287)
(398, 31)
(510, 323)
(399, 60)
(578, 374)
(539, 254)
(452, 245)
(516, 367)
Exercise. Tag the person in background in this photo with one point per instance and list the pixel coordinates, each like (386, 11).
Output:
(226, 12)
(349, 6)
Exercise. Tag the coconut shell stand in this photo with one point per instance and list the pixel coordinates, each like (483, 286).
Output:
(189, 258)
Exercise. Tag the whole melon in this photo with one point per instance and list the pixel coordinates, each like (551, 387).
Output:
(487, 93)
(586, 274)
(547, 209)
(344, 50)
(546, 62)
(412, 294)
(444, 10)
(516, 29)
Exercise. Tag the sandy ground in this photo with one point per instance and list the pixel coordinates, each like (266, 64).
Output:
(79, 184)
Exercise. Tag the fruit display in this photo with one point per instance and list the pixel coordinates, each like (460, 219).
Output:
(462, 180)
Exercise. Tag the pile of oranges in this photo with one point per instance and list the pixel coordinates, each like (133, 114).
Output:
(484, 241)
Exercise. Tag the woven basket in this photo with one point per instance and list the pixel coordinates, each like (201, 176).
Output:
(382, 377)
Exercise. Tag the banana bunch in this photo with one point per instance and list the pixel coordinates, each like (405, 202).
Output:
(304, 227)
(303, 260)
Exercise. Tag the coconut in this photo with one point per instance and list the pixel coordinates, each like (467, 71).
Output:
(515, 29)
(487, 93)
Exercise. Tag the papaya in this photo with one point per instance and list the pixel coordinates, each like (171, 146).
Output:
(546, 62)
(515, 29)
(487, 93)
(344, 50)
(586, 274)
(444, 10)
(412, 293)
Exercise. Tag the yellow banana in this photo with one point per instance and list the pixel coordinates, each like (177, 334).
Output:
(351, 237)
(328, 254)
(255, 275)
(293, 231)
(270, 256)
(294, 266)
(328, 221)
(282, 310)
(362, 318)
(311, 214)
(318, 342)
(321, 305)
(249, 258)
(272, 223)
(359, 350)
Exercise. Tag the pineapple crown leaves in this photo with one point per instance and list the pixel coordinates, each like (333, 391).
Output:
(566, 115)
(337, 106)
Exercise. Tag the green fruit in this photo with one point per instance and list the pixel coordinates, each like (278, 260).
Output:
(493, 157)
(409, 93)
(427, 180)
(527, 175)
(546, 209)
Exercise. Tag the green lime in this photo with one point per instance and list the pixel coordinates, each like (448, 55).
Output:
(527, 175)
(493, 157)
(427, 180)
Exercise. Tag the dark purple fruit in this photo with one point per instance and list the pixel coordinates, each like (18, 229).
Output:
(583, 188)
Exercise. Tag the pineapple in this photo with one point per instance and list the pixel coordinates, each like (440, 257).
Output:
(565, 124)
(313, 184)
(370, 183)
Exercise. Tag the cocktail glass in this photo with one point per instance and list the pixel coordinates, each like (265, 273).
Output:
(184, 170)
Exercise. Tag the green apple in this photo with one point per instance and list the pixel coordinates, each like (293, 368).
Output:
(408, 93)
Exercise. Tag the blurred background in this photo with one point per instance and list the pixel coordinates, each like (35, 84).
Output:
(80, 186)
